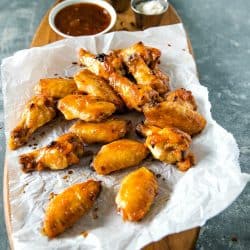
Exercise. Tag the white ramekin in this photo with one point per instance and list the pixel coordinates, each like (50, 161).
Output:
(63, 4)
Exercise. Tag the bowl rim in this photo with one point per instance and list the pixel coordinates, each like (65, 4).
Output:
(108, 7)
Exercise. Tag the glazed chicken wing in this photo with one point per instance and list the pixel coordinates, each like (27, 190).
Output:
(101, 132)
(133, 95)
(183, 97)
(169, 145)
(150, 55)
(37, 112)
(65, 209)
(118, 155)
(59, 154)
(94, 85)
(176, 115)
(136, 194)
(56, 87)
(85, 107)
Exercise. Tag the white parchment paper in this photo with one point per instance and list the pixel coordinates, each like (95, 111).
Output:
(185, 200)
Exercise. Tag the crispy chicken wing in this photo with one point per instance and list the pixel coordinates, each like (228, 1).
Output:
(119, 154)
(133, 95)
(37, 112)
(150, 55)
(94, 85)
(59, 154)
(66, 208)
(174, 114)
(136, 194)
(169, 145)
(183, 97)
(85, 107)
(101, 132)
(144, 75)
(56, 87)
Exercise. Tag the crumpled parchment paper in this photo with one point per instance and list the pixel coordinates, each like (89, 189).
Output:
(185, 200)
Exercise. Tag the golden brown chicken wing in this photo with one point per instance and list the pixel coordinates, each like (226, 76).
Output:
(136, 194)
(119, 154)
(169, 145)
(183, 97)
(56, 87)
(176, 115)
(101, 132)
(59, 154)
(150, 55)
(66, 208)
(94, 85)
(144, 75)
(37, 112)
(85, 107)
(133, 95)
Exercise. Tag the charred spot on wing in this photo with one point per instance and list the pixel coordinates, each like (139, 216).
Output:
(101, 57)
(52, 144)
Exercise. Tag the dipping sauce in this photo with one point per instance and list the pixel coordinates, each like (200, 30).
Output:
(82, 19)
(152, 7)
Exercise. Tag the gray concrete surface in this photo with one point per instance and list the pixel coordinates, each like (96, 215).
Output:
(220, 35)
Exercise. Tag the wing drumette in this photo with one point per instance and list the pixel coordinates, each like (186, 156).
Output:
(69, 206)
(85, 107)
(101, 132)
(136, 195)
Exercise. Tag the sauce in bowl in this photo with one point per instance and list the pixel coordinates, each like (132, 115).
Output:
(82, 19)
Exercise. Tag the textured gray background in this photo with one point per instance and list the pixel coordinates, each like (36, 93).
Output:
(220, 35)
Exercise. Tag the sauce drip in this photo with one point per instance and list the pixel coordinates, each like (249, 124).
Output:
(82, 19)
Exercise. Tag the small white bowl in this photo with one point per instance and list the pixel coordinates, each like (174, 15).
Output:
(63, 4)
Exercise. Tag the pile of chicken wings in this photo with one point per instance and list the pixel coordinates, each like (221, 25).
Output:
(107, 84)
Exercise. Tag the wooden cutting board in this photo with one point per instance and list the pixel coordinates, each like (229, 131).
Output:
(44, 35)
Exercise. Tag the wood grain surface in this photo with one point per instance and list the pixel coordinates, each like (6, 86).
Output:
(185, 240)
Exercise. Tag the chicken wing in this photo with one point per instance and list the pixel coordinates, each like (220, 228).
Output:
(169, 145)
(118, 155)
(136, 194)
(94, 85)
(133, 95)
(56, 87)
(176, 115)
(85, 107)
(65, 209)
(150, 55)
(183, 97)
(59, 154)
(101, 132)
(37, 112)
(144, 75)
